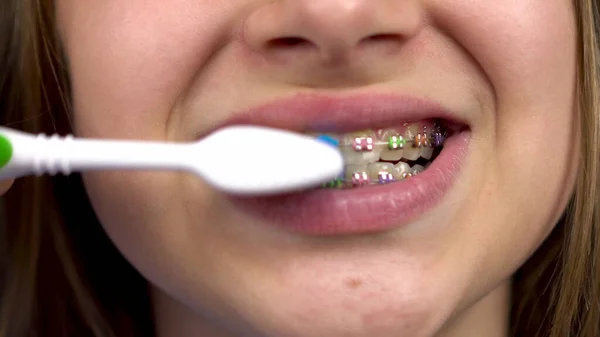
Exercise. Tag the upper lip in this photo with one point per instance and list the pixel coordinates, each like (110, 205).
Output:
(325, 113)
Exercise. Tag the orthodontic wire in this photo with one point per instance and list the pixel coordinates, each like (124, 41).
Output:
(396, 142)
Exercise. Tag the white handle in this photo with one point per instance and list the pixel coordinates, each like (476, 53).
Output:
(53, 154)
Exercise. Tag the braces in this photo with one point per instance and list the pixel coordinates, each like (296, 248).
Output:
(361, 179)
(397, 142)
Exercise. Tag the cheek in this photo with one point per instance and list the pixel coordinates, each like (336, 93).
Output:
(130, 61)
(526, 49)
(513, 40)
(525, 155)
(150, 217)
(133, 207)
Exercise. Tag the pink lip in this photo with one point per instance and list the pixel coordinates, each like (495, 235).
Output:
(361, 210)
(309, 112)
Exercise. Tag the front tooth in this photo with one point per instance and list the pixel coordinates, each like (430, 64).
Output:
(411, 153)
(411, 131)
(348, 139)
(386, 152)
(351, 169)
(374, 169)
(400, 169)
(391, 155)
(353, 157)
(427, 152)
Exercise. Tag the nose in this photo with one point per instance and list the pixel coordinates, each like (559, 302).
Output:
(334, 30)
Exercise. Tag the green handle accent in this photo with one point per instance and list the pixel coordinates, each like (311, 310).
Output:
(6, 151)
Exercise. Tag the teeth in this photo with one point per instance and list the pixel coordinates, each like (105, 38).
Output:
(391, 155)
(386, 152)
(359, 158)
(400, 169)
(411, 131)
(349, 138)
(416, 169)
(427, 152)
(367, 154)
(351, 169)
(411, 153)
(353, 157)
(374, 169)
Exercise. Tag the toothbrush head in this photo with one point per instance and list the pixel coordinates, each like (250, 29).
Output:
(253, 160)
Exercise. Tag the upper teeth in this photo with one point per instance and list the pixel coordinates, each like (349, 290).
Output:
(369, 146)
(363, 150)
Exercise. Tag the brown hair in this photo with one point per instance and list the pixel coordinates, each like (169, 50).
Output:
(557, 292)
(63, 277)
(61, 274)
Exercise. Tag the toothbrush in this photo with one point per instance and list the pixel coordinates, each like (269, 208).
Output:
(240, 160)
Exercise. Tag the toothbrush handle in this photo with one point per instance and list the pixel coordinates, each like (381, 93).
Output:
(53, 154)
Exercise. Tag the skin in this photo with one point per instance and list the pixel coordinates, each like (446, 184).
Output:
(173, 71)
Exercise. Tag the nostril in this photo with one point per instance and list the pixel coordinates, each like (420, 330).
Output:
(382, 37)
(291, 42)
(381, 41)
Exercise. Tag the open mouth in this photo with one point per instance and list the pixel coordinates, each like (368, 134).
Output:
(383, 156)
(402, 167)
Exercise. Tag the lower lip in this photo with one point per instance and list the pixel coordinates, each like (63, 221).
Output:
(363, 210)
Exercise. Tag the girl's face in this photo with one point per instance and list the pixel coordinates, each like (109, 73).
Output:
(176, 70)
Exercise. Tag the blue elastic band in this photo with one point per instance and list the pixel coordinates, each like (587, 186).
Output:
(329, 140)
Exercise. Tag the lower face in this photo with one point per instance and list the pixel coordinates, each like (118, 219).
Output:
(174, 72)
